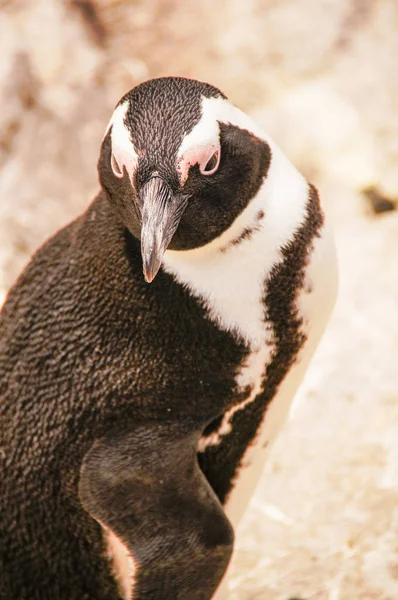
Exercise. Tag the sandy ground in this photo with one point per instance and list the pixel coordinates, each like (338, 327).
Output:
(321, 77)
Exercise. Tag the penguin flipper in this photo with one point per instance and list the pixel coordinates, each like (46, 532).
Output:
(146, 487)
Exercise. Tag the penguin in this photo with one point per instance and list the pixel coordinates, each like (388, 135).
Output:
(150, 352)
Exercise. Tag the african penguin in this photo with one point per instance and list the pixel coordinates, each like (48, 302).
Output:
(150, 352)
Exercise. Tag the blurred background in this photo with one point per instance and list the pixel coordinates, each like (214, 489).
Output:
(321, 77)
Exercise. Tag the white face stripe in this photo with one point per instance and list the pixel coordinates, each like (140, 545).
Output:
(199, 144)
(204, 139)
(123, 148)
(282, 196)
(197, 147)
(123, 564)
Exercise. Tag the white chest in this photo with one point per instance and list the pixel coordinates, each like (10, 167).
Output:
(231, 279)
(232, 288)
(230, 274)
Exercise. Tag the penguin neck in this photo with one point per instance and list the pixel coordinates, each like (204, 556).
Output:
(229, 275)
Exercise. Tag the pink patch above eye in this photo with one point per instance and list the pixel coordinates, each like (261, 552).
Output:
(115, 167)
(124, 155)
(212, 164)
(208, 158)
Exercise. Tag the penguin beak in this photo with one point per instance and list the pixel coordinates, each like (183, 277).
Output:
(161, 214)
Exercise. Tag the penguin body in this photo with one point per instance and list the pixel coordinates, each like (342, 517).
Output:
(137, 415)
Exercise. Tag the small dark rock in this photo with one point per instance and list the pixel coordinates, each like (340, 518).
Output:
(89, 13)
(377, 202)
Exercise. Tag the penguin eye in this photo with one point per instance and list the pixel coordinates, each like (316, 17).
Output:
(115, 167)
(212, 164)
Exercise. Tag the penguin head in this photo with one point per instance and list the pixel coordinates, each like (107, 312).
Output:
(179, 163)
